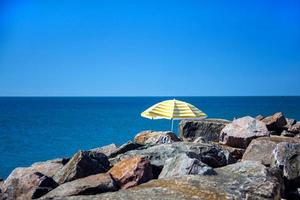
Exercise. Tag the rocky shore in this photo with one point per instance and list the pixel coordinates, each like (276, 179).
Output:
(247, 158)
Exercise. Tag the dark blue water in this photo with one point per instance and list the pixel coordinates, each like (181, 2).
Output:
(35, 129)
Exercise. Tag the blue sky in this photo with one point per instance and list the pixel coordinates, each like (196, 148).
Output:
(149, 48)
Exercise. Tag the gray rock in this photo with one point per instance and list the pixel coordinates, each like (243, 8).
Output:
(25, 183)
(261, 149)
(49, 167)
(295, 128)
(208, 129)
(236, 153)
(129, 146)
(107, 150)
(287, 134)
(244, 180)
(210, 154)
(155, 137)
(286, 156)
(259, 117)
(241, 131)
(82, 164)
(182, 164)
(90, 185)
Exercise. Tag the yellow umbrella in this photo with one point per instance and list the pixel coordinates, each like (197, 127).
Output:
(173, 110)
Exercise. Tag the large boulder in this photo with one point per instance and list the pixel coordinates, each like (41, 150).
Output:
(208, 129)
(107, 150)
(286, 156)
(125, 147)
(295, 128)
(90, 185)
(210, 154)
(275, 122)
(26, 183)
(236, 153)
(241, 131)
(49, 167)
(182, 164)
(261, 149)
(131, 172)
(155, 137)
(82, 164)
(244, 180)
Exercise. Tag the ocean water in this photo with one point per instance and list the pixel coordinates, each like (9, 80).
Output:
(40, 128)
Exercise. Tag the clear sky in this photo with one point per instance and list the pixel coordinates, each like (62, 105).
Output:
(149, 48)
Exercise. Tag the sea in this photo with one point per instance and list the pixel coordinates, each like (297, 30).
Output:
(41, 128)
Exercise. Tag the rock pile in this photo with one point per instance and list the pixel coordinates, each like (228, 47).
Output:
(248, 158)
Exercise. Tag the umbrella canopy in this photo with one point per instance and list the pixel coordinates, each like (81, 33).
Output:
(174, 110)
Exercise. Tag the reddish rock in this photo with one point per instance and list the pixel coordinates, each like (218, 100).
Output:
(50, 167)
(132, 171)
(275, 122)
(261, 149)
(155, 137)
(295, 128)
(25, 183)
(241, 131)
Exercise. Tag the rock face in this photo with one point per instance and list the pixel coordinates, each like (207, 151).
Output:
(286, 156)
(131, 172)
(245, 180)
(155, 137)
(50, 167)
(241, 131)
(261, 149)
(275, 122)
(295, 128)
(125, 147)
(182, 164)
(208, 129)
(107, 150)
(94, 184)
(82, 164)
(210, 154)
(25, 183)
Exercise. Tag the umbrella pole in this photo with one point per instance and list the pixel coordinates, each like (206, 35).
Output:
(172, 126)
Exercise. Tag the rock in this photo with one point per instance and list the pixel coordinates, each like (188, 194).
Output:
(199, 140)
(49, 167)
(275, 122)
(208, 129)
(90, 185)
(259, 117)
(25, 183)
(290, 122)
(155, 137)
(236, 153)
(131, 172)
(261, 149)
(182, 164)
(295, 128)
(107, 150)
(287, 134)
(210, 154)
(82, 164)
(241, 131)
(244, 180)
(124, 148)
(286, 156)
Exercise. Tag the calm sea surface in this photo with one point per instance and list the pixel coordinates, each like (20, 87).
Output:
(35, 129)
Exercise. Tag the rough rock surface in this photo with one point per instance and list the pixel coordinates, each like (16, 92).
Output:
(287, 133)
(295, 128)
(155, 137)
(275, 122)
(94, 184)
(286, 156)
(82, 164)
(261, 149)
(131, 172)
(124, 148)
(236, 153)
(182, 164)
(241, 131)
(49, 167)
(107, 150)
(208, 129)
(210, 154)
(245, 180)
(26, 183)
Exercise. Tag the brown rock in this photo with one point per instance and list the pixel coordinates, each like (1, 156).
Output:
(286, 133)
(132, 171)
(295, 128)
(275, 122)
(94, 184)
(236, 153)
(261, 149)
(82, 164)
(25, 183)
(241, 131)
(49, 167)
(155, 137)
(259, 117)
